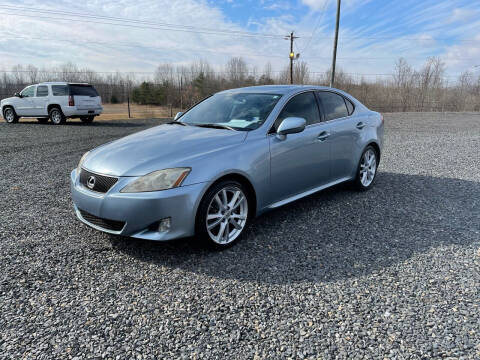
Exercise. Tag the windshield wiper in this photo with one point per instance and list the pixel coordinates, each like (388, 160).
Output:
(215, 126)
(176, 123)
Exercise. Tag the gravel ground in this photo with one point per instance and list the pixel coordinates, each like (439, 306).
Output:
(391, 273)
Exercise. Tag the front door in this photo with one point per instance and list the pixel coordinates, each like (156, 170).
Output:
(24, 105)
(300, 162)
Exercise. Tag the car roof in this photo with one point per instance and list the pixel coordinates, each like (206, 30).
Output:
(61, 83)
(278, 89)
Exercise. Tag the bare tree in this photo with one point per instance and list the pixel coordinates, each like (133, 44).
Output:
(404, 82)
(406, 89)
(430, 80)
(301, 73)
(236, 71)
(32, 74)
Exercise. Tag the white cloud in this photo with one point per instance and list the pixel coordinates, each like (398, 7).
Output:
(462, 14)
(69, 40)
(373, 50)
(315, 4)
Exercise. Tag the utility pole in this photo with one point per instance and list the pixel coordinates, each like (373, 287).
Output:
(334, 59)
(292, 54)
(128, 100)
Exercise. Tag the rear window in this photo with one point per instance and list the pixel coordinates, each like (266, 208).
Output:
(42, 91)
(83, 90)
(59, 90)
(350, 106)
(333, 105)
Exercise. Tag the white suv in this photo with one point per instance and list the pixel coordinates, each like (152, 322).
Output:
(56, 101)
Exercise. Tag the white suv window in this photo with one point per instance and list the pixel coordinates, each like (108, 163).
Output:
(42, 91)
(28, 91)
(59, 90)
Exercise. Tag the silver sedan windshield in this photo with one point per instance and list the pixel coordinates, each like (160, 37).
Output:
(240, 111)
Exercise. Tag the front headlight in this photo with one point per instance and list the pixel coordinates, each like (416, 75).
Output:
(158, 180)
(80, 163)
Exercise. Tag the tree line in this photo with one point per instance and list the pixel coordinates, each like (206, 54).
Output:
(180, 86)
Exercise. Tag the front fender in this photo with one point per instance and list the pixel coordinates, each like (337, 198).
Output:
(250, 160)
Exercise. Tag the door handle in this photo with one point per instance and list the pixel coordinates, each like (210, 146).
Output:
(323, 136)
(360, 125)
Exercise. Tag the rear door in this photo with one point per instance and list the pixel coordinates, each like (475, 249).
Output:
(300, 162)
(40, 100)
(344, 133)
(24, 105)
(85, 96)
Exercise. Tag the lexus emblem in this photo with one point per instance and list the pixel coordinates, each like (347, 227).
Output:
(91, 182)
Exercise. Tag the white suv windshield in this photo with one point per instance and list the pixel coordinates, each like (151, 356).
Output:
(240, 111)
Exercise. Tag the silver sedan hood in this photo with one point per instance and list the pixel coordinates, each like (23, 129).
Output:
(158, 148)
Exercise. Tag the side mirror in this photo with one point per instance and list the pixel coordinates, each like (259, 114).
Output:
(290, 125)
(178, 115)
(17, 95)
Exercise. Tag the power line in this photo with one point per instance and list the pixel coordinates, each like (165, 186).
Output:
(135, 45)
(177, 71)
(212, 32)
(179, 27)
(319, 20)
(135, 21)
(138, 45)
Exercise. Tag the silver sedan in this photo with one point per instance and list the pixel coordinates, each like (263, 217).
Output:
(229, 158)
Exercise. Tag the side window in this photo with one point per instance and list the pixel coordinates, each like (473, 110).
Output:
(303, 105)
(42, 91)
(59, 90)
(350, 106)
(333, 105)
(28, 91)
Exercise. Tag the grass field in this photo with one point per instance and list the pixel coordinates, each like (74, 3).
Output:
(120, 111)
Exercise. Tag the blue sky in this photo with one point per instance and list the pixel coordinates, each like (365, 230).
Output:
(374, 33)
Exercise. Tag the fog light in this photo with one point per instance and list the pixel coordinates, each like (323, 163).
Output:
(164, 225)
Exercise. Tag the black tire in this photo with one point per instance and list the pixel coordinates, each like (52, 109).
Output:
(87, 119)
(208, 199)
(364, 182)
(56, 116)
(42, 120)
(10, 115)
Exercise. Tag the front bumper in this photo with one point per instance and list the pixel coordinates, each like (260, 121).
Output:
(140, 210)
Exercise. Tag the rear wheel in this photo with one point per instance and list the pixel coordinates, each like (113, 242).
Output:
(367, 169)
(42, 120)
(10, 115)
(223, 214)
(56, 116)
(87, 119)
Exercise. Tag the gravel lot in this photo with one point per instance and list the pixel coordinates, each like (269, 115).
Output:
(391, 273)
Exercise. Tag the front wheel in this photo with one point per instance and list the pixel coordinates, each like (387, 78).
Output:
(87, 119)
(56, 116)
(10, 115)
(223, 214)
(367, 169)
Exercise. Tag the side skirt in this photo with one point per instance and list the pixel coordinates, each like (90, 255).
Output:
(306, 193)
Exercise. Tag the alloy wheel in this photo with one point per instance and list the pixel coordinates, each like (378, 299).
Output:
(368, 167)
(227, 215)
(9, 115)
(56, 117)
